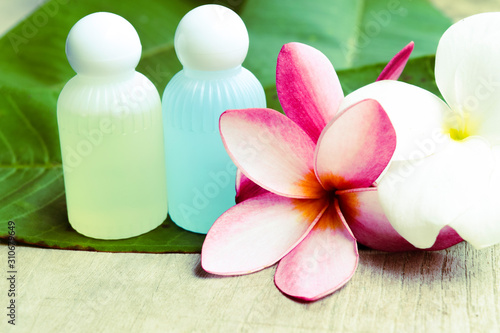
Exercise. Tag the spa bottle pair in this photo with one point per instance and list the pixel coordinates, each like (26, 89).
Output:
(119, 151)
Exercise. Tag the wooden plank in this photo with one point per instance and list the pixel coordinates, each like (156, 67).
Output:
(454, 290)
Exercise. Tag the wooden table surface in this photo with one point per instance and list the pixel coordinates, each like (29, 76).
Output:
(454, 290)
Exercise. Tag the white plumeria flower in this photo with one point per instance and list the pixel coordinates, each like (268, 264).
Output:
(446, 168)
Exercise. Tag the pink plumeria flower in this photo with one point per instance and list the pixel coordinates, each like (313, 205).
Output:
(313, 164)
(445, 172)
(364, 213)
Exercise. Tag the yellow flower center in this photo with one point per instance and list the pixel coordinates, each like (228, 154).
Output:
(461, 126)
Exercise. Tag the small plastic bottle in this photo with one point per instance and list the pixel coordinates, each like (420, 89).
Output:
(211, 42)
(111, 133)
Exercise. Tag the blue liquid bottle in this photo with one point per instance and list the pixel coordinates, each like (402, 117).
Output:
(211, 42)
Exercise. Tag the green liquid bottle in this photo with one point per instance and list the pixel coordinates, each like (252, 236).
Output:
(110, 128)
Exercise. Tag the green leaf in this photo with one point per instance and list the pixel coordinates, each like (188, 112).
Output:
(351, 33)
(358, 37)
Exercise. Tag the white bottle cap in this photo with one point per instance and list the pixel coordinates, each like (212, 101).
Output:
(211, 38)
(103, 43)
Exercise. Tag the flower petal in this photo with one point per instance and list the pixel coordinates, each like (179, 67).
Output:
(257, 233)
(323, 262)
(367, 221)
(457, 187)
(397, 64)
(467, 69)
(272, 151)
(416, 114)
(480, 225)
(308, 87)
(356, 147)
(246, 189)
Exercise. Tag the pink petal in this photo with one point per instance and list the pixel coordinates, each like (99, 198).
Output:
(257, 233)
(447, 237)
(272, 151)
(367, 221)
(323, 262)
(246, 189)
(355, 147)
(397, 64)
(308, 87)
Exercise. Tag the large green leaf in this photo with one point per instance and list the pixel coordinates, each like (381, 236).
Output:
(352, 33)
(358, 36)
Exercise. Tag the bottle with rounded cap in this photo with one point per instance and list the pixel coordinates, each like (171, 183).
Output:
(111, 133)
(211, 43)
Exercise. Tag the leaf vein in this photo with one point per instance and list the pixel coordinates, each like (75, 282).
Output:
(9, 146)
(46, 184)
(352, 44)
(30, 126)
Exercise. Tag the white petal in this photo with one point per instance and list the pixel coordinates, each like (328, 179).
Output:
(416, 114)
(468, 72)
(457, 187)
(481, 223)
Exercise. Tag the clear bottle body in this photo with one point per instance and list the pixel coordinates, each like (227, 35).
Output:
(200, 174)
(113, 156)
